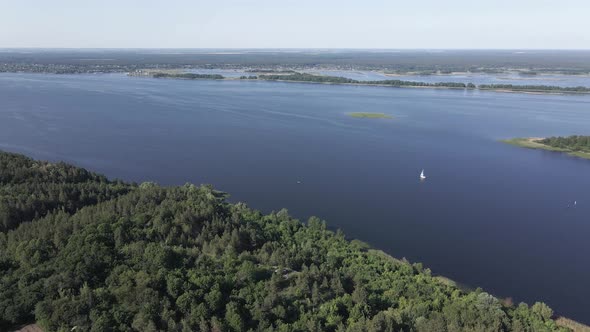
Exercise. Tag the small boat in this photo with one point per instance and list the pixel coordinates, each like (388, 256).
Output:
(422, 176)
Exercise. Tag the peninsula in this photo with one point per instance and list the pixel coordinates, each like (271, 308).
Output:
(83, 249)
(578, 146)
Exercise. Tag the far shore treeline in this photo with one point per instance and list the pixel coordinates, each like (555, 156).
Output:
(305, 77)
(575, 145)
(79, 250)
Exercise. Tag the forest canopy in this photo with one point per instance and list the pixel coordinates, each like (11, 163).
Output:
(572, 143)
(29, 189)
(152, 258)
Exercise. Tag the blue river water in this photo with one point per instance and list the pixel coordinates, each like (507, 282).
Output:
(489, 214)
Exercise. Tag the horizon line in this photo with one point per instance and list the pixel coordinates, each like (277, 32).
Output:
(293, 48)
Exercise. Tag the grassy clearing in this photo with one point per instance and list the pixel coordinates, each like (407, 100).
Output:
(371, 115)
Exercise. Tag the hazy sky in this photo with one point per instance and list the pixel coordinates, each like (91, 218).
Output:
(296, 24)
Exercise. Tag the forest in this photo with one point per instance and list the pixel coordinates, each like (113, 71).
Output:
(152, 258)
(30, 189)
(572, 143)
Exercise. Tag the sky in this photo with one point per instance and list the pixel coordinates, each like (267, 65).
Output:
(382, 24)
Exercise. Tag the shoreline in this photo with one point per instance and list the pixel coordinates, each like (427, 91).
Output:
(477, 88)
(502, 90)
(533, 92)
(560, 320)
(531, 143)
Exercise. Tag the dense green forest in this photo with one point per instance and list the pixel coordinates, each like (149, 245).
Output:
(30, 189)
(189, 76)
(572, 143)
(184, 259)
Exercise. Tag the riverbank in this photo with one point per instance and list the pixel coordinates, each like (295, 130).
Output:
(559, 320)
(572, 325)
(533, 143)
(377, 275)
(503, 90)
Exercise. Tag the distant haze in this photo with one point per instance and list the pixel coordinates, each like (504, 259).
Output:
(434, 24)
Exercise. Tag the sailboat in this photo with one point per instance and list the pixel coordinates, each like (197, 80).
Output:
(422, 176)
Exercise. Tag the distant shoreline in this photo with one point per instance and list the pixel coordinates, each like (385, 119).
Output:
(538, 90)
(532, 143)
(532, 92)
(483, 87)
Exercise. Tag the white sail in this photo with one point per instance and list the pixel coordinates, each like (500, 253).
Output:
(422, 176)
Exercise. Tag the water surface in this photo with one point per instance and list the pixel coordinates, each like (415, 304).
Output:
(489, 214)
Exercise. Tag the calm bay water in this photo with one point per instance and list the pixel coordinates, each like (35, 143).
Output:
(489, 214)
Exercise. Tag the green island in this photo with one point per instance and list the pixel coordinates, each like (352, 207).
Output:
(271, 71)
(304, 77)
(290, 76)
(575, 145)
(77, 249)
(371, 115)
(188, 76)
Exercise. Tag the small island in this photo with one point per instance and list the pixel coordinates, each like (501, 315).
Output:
(576, 145)
(371, 115)
(188, 76)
